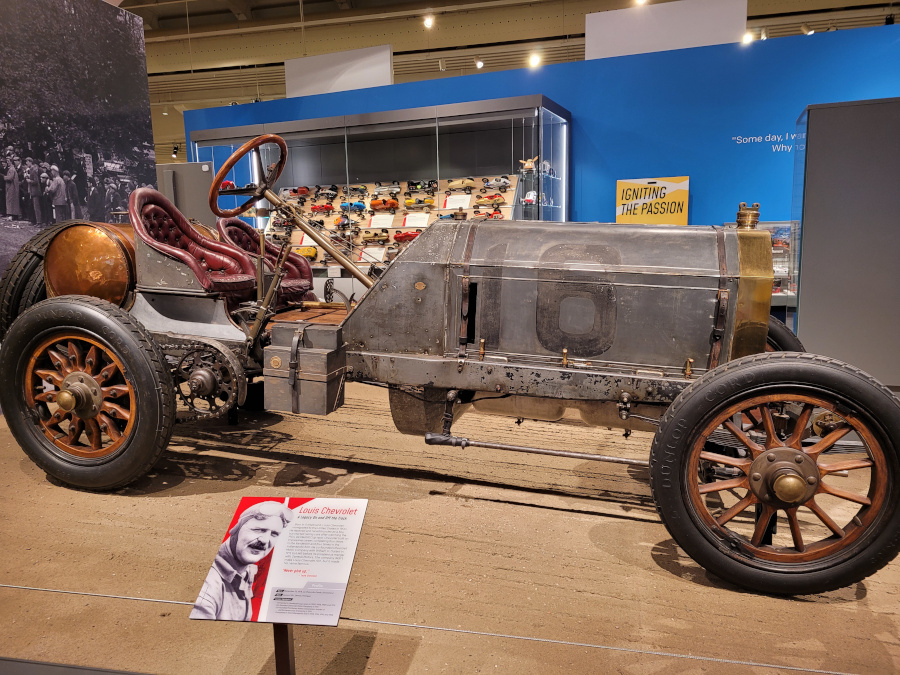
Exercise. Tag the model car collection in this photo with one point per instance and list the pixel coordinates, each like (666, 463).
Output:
(461, 184)
(502, 184)
(775, 471)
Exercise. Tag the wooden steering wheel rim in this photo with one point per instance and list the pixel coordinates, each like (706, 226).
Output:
(238, 154)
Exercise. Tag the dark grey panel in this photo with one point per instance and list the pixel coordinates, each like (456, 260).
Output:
(849, 271)
(187, 185)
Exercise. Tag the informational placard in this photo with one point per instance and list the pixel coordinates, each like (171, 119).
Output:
(382, 220)
(653, 201)
(457, 201)
(415, 220)
(370, 254)
(283, 560)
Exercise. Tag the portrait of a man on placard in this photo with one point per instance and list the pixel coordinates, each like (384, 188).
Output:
(227, 592)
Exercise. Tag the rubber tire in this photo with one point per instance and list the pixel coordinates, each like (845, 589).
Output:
(781, 338)
(750, 376)
(145, 368)
(22, 268)
(35, 290)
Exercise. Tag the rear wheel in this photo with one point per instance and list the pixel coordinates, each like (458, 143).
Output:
(778, 472)
(88, 394)
(780, 338)
(18, 280)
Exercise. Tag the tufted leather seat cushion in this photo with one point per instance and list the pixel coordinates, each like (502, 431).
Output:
(219, 267)
(298, 279)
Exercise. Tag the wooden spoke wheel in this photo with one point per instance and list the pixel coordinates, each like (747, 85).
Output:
(778, 472)
(88, 393)
(85, 406)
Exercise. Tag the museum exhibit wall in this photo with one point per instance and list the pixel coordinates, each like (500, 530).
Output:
(74, 94)
(724, 115)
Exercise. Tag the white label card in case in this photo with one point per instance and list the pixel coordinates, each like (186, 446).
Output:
(334, 271)
(457, 201)
(416, 220)
(382, 220)
(371, 254)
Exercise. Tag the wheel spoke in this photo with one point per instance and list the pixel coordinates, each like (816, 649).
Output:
(832, 438)
(109, 427)
(720, 485)
(91, 360)
(76, 426)
(106, 374)
(115, 410)
(50, 376)
(94, 433)
(738, 462)
(61, 362)
(75, 355)
(762, 524)
(114, 391)
(47, 397)
(754, 448)
(846, 465)
(843, 494)
(824, 517)
(736, 509)
(768, 426)
(800, 426)
(795, 530)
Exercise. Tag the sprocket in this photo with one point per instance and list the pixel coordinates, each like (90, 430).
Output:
(208, 379)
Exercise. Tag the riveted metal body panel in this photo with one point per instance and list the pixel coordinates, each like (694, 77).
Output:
(160, 273)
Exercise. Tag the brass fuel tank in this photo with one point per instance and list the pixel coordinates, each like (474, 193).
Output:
(95, 259)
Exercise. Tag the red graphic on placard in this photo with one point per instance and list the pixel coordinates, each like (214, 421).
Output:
(262, 567)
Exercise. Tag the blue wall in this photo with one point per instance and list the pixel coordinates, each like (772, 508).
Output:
(664, 114)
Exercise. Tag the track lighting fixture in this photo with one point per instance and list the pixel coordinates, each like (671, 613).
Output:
(640, 2)
(763, 33)
(166, 111)
(479, 63)
(534, 60)
(889, 20)
(429, 21)
(748, 38)
(806, 29)
(441, 65)
(175, 152)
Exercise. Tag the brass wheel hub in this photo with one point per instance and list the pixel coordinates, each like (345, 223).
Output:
(80, 394)
(784, 477)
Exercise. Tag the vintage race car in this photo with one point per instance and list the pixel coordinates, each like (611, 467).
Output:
(360, 190)
(490, 200)
(326, 208)
(502, 184)
(390, 205)
(423, 204)
(328, 193)
(426, 186)
(461, 184)
(776, 471)
(355, 207)
(407, 235)
(380, 238)
(530, 197)
(390, 189)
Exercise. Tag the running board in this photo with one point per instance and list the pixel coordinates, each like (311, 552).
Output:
(447, 439)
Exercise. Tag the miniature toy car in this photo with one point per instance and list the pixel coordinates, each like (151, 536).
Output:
(423, 204)
(464, 184)
(357, 207)
(496, 214)
(325, 208)
(299, 191)
(390, 205)
(228, 185)
(380, 238)
(777, 471)
(501, 184)
(406, 235)
(530, 197)
(490, 200)
(426, 186)
(343, 222)
(328, 193)
(528, 164)
(360, 190)
(389, 189)
(308, 252)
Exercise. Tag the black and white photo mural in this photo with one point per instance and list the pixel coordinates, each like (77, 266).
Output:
(75, 132)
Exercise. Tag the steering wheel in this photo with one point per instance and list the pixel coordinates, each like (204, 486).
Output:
(255, 192)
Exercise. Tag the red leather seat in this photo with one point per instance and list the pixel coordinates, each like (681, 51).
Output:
(298, 279)
(219, 267)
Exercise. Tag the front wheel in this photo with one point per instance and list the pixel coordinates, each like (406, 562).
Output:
(88, 394)
(778, 472)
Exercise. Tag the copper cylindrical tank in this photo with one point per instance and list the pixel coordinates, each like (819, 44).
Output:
(95, 259)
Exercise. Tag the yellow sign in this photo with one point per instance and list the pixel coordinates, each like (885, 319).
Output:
(653, 201)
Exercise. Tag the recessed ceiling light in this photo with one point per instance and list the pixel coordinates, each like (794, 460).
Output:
(429, 21)
(748, 38)
(534, 60)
